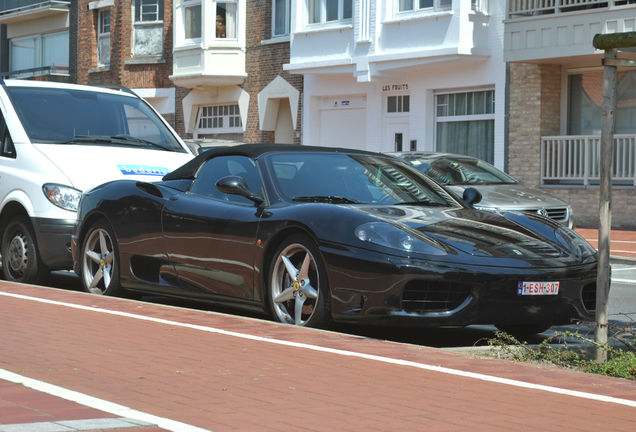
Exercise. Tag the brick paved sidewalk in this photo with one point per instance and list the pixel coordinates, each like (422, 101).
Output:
(622, 243)
(224, 373)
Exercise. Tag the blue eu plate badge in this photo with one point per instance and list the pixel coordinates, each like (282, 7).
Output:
(143, 170)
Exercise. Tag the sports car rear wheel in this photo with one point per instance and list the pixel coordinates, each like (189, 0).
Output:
(298, 287)
(99, 267)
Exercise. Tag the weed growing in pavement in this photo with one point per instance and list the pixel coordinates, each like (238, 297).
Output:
(556, 350)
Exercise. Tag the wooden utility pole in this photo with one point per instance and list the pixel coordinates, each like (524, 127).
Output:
(611, 43)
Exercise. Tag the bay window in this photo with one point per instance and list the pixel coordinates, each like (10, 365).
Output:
(226, 20)
(323, 11)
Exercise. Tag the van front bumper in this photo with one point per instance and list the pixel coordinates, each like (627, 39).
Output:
(54, 242)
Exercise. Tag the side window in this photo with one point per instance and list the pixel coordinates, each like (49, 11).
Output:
(7, 149)
(224, 166)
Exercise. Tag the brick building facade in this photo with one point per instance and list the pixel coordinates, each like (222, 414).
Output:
(136, 49)
(272, 95)
(535, 112)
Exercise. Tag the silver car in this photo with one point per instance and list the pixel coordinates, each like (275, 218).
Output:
(499, 190)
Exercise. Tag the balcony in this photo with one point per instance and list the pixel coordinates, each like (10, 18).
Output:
(575, 160)
(546, 29)
(15, 11)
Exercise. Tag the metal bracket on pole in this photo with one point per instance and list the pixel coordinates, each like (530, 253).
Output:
(618, 62)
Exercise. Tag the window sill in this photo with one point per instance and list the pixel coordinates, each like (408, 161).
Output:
(139, 60)
(323, 28)
(276, 40)
(99, 69)
(418, 16)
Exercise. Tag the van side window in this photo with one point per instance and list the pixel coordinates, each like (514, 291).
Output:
(7, 149)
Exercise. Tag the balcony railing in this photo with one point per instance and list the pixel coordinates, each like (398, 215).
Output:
(517, 8)
(54, 69)
(15, 6)
(575, 160)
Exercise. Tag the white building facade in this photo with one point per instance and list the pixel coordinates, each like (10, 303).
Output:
(391, 75)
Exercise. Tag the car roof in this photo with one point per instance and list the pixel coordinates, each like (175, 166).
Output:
(188, 170)
(102, 88)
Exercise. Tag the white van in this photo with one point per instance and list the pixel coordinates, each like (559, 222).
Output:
(57, 140)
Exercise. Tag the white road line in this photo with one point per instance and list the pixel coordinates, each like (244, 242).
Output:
(388, 360)
(100, 404)
(625, 281)
(617, 269)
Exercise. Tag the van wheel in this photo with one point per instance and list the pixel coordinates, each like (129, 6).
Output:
(20, 257)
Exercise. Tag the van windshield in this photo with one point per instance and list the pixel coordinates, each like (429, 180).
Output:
(81, 117)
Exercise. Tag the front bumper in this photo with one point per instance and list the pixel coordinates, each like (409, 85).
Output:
(373, 288)
(54, 242)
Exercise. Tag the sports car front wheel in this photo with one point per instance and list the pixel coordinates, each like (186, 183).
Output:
(99, 266)
(298, 287)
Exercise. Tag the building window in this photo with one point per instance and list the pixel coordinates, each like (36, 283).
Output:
(219, 118)
(414, 5)
(47, 52)
(148, 28)
(148, 10)
(192, 19)
(280, 18)
(585, 103)
(465, 123)
(103, 37)
(324, 11)
(226, 20)
(398, 104)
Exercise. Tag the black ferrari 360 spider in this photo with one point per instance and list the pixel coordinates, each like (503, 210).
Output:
(313, 234)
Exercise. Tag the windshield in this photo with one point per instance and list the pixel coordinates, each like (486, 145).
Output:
(80, 117)
(462, 171)
(341, 178)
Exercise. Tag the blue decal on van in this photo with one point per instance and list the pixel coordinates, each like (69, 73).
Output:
(143, 170)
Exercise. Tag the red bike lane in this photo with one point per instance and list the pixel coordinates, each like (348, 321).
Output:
(181, 369)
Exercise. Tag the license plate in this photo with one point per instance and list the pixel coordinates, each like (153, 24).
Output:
(538, 288)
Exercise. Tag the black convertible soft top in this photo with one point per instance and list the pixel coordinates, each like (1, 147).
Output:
(188, 170)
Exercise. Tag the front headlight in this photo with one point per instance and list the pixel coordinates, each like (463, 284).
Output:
(575, 241)
(62, 196)
(387, 235)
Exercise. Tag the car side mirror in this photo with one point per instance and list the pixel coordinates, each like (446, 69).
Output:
(237, 186)
(471, 196)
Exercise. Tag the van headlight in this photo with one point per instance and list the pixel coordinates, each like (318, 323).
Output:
(62, 196)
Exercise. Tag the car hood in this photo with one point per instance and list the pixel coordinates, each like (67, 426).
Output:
(486, 234)
(86, 166)
(511, 196)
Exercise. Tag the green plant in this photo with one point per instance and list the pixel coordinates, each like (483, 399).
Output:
(557, 351)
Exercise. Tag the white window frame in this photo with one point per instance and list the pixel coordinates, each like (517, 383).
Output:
(322, 11)
(156, 12)
(102, 34)
(228, 28)
(399, 104)
(402, 6)
(202, 115)
(463, 117)
(286, 12)
(187, 4)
